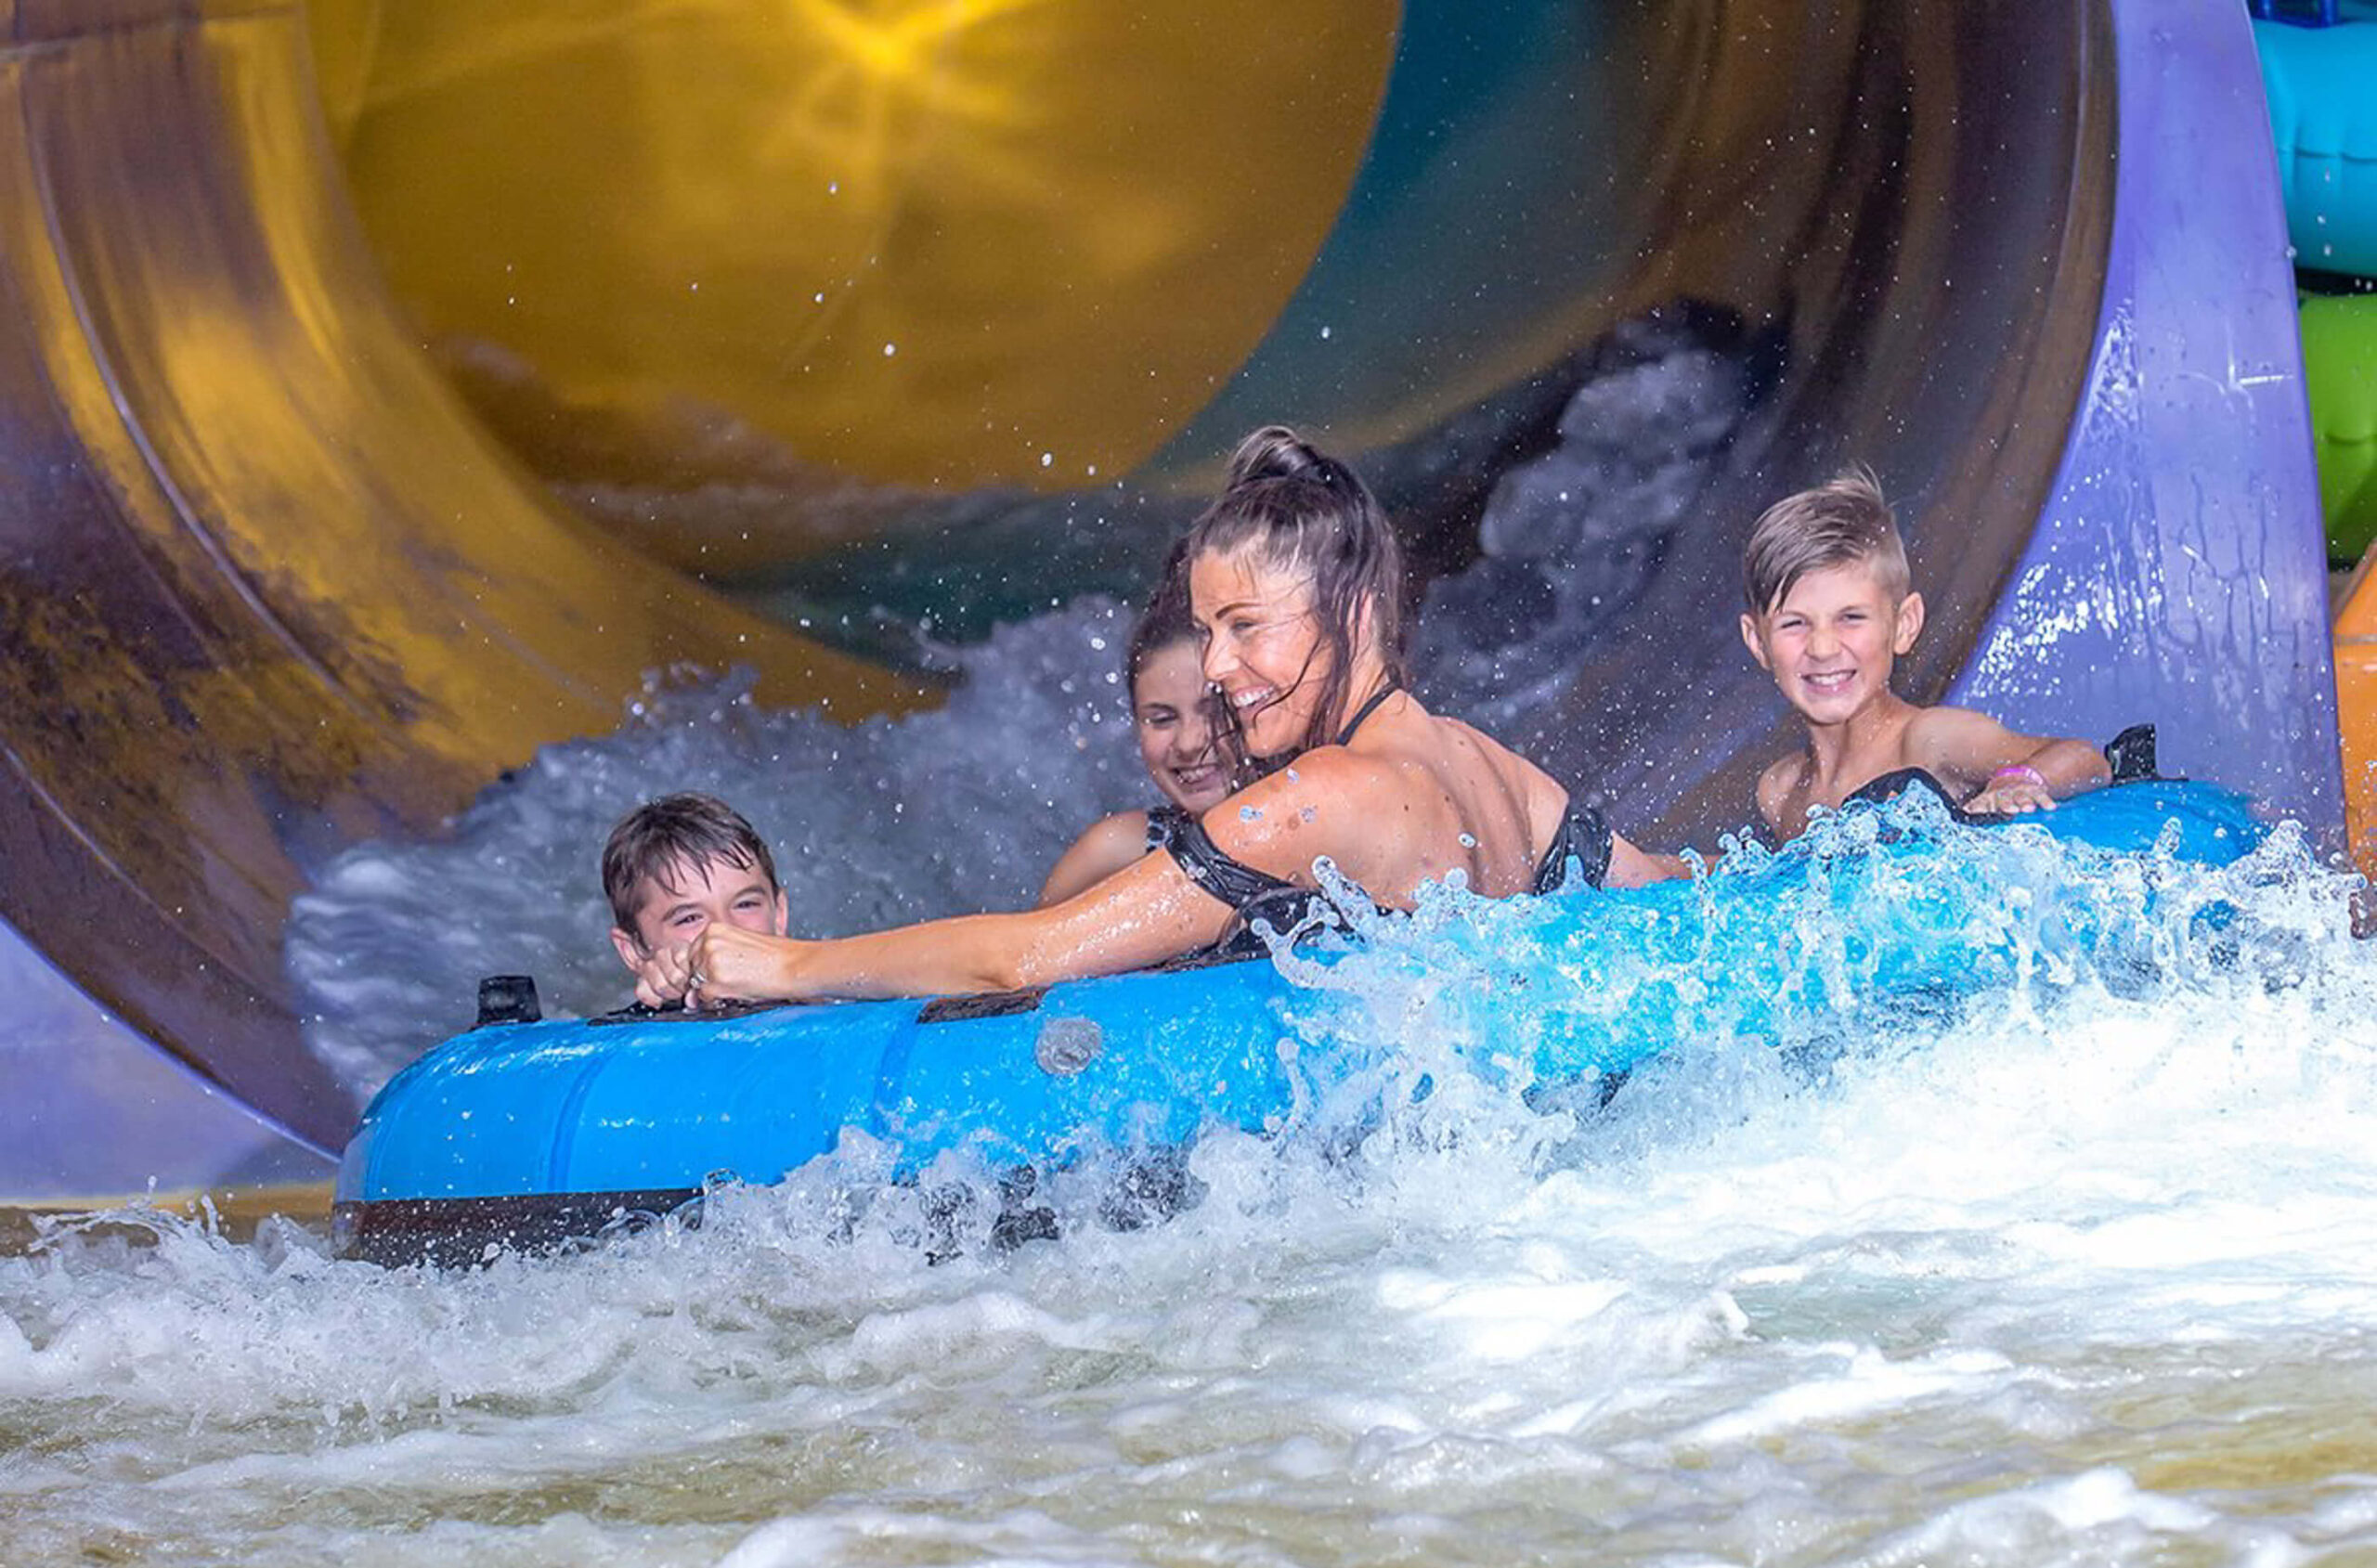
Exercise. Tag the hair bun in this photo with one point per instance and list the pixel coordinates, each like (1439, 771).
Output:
(1277, 452)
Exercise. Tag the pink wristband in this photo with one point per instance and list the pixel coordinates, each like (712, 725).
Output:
(2021, 771)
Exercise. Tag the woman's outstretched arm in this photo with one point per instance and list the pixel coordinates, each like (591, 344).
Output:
(1142, 914)
(1147, 912)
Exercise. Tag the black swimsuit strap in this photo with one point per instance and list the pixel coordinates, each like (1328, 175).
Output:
(1890, 785)
(1163, 823)
(1364, 711)
(1583, 836)
(1256, 896)
(1210, 867)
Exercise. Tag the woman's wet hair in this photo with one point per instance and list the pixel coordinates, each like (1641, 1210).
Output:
(1305, 512)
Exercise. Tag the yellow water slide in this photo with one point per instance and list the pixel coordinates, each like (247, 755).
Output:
(269, 585)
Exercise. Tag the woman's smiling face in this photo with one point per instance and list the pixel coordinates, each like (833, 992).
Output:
(1263, 650)
(1172, 711)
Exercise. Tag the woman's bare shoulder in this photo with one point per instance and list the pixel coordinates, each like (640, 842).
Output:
(1324, 800)
(1544, 795)
(1324, 772)
(1471, 735)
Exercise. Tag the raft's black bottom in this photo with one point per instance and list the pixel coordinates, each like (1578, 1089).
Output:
(464, 1231)
(1150, 1189)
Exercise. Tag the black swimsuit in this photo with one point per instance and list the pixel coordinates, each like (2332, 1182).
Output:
(1164, 824)
(1582, 836)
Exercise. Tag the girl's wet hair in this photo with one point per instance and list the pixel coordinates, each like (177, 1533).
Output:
(1164, 620)
(1305, 512)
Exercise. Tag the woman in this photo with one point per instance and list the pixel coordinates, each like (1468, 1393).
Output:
(1295, 582)
(1172, 714)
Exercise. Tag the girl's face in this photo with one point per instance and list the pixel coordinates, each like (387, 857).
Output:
(1174, 714)
(1263, 649)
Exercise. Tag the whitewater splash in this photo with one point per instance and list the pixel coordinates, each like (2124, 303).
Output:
(2075, 1270)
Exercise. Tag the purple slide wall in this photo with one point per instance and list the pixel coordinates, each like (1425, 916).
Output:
(2178, 570)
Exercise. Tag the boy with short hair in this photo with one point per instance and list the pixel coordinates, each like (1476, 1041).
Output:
(676, 865)
(1830, 610)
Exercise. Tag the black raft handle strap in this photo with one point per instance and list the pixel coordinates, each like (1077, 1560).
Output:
(2131, 755)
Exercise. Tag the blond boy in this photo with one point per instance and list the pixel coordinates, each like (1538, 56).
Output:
(1829, 612)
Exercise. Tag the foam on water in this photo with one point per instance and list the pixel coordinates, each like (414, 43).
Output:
(2075, 1267)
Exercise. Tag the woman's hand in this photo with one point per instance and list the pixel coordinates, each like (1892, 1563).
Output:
(724, 963)
(728, 964)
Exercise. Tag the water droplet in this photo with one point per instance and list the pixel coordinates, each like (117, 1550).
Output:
(1469, 841)
(890, 349)
(1249, 814)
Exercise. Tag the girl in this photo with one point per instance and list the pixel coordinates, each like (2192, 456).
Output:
(1295, 583)
(1172, 712)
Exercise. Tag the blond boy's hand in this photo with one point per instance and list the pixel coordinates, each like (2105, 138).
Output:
(2010, 793)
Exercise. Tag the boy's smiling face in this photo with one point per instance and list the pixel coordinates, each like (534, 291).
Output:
(715, 889)
(1831, 641)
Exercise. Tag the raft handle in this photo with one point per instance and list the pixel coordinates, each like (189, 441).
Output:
(981, 1004)
(509, 999)
(2131, 755)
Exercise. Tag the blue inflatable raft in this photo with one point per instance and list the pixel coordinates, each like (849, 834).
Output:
(523, 1133)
